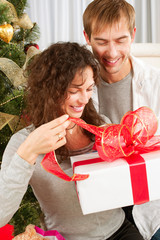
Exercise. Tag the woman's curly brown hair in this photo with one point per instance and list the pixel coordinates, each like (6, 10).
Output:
(49, 77)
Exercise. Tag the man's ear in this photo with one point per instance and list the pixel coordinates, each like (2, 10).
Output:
(133, 34)
(86, 37)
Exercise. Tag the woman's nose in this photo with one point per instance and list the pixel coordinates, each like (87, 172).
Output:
(83, 98)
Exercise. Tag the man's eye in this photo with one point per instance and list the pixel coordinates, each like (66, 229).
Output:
(123, 40)
(101, 43)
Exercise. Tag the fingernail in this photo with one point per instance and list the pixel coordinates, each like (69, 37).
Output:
(67, 116)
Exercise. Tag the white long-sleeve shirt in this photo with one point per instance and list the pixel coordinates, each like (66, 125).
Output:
(145, 92)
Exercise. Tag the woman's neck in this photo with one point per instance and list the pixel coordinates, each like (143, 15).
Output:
(76, 139)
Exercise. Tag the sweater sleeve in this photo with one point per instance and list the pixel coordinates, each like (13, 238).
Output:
(15, 175)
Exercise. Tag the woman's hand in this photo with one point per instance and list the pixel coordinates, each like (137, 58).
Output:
(44, 139)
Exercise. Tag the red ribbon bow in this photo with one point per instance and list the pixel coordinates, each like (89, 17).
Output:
(135, 134)
(132, 137)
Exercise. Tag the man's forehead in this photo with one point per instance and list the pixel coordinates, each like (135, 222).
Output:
(117, 30)
(99, 26)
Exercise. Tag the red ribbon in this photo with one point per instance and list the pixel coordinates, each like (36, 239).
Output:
(135, 134)
(132, 137)
(50, 164)
(138, 177)
(86, 162)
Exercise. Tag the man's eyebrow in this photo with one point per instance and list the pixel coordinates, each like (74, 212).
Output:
(98, 38)
(103, 39)
(122, 37)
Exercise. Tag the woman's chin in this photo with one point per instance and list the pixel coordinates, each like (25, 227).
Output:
(76, 115)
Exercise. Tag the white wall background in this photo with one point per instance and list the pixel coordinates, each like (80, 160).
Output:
(61, 20)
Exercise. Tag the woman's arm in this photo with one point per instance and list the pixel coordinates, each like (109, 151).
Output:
(18, 162)
(14, 178)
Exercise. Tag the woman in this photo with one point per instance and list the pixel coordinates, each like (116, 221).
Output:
(60, 84)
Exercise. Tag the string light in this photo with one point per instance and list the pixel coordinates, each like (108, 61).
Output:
(17, 124)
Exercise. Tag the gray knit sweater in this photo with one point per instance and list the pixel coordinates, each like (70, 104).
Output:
(57, 198)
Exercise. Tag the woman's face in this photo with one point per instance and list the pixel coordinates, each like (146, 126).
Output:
(79, 92)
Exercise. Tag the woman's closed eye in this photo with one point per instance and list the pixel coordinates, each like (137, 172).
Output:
(90, 89)
(73, 91)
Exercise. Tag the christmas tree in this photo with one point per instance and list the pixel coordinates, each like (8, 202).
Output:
(17, 34)
(17, 46)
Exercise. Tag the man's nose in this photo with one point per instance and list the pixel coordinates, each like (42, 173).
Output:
(111, 51)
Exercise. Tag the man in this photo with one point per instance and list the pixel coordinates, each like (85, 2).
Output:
(126, 82)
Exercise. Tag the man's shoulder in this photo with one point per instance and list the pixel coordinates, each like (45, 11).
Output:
(143, 64)
(144, 69)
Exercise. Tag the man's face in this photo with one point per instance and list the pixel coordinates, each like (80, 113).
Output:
(111, 46)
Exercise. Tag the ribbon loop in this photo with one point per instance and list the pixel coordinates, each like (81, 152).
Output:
(50, 164)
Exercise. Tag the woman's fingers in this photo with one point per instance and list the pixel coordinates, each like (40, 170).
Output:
(46, 138)
(60, 143)
(61, 128)
(58, 125)
(60, 135)
(58, 122)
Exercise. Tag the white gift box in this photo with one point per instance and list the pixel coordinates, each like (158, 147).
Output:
(109, 184)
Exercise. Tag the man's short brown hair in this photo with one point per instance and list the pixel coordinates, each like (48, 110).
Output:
(106, 12)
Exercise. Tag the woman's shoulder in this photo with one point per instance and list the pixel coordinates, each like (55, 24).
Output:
(17, 139)
(13, 144)
(23, 133)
